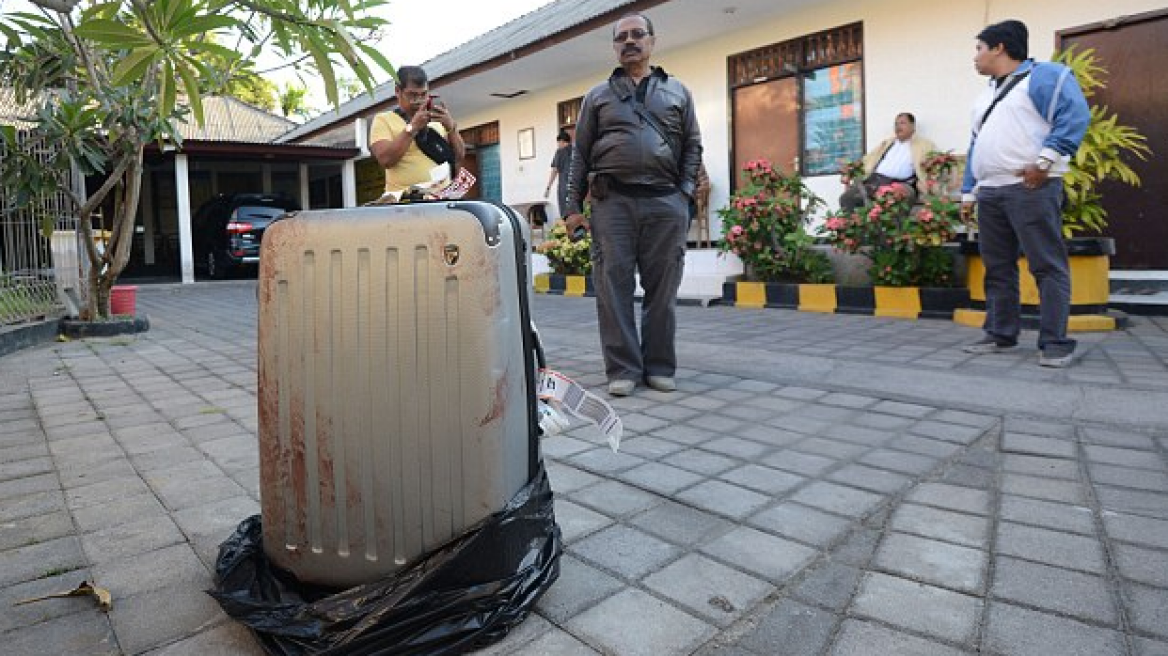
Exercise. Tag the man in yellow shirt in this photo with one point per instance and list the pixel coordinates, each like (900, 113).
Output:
(418, 135)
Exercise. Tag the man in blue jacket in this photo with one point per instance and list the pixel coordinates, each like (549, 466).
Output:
(1027, 125)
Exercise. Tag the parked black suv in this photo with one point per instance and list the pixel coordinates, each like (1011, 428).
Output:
(227, 230)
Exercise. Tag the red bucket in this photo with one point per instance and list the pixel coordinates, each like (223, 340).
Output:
(123, 299)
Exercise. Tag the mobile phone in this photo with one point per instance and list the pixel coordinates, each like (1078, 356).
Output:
(430, 103)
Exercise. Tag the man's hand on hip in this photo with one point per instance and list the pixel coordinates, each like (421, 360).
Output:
(967, 213)
(1033, 177)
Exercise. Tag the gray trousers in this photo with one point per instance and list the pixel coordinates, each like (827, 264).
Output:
(631, 235)
(1011, 217)
(859, 193)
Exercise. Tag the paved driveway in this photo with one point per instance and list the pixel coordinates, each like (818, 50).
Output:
(818, 485)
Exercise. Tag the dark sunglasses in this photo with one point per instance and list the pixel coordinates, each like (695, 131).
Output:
(637, 35)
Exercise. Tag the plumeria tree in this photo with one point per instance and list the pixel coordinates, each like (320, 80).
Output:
(109, 78)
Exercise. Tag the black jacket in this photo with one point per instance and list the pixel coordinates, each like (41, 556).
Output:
(613, 140)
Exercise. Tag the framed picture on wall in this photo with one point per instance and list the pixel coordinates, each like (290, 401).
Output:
(527, 143)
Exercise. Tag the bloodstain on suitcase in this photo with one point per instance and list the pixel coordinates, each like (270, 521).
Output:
(396, 383)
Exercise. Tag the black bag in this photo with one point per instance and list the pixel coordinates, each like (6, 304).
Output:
(432, 144)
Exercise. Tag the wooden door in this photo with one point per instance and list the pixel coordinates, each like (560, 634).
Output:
(1134, 53)
(766, 125)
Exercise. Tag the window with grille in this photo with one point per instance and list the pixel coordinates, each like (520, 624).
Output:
(568, 112)
(825, 74)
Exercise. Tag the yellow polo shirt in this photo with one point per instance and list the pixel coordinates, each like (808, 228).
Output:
(414, 167)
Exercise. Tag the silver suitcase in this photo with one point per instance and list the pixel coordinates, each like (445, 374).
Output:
(396, 382)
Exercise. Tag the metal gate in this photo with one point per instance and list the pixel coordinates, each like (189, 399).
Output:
(28, 280)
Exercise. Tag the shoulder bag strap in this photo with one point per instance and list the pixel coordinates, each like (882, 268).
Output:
(431, 143)
(1002, 94)
(648, 117)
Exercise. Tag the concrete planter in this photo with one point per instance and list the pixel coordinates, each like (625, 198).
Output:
(899, 302)
(1090, 286)
(117, 325)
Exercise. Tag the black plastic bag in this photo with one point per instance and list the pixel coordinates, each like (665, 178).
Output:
(461, 596)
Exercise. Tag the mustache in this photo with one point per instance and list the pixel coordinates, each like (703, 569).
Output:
(630, 49)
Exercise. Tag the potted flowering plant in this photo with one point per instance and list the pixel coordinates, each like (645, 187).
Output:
(567, 257)
(765, 225)
(903, 241)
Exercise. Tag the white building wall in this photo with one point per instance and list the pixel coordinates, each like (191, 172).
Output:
(918, 57)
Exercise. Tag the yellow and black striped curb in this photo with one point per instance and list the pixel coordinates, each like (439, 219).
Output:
(900, 302)
(563, 285)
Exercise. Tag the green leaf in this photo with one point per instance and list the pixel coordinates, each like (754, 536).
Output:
(100, 10)
(325, 68)
(166, 90)
(380, 59)
(133, 66)
(12, 35)
(201, 25)
(216, 50)
(111, 32)
(191, 87)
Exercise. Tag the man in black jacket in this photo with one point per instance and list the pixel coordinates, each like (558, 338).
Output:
(638, 149)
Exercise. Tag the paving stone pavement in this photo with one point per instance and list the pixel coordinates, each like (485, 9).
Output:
(819, 484)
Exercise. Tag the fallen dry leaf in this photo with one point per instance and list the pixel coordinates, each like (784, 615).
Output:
(86, 589)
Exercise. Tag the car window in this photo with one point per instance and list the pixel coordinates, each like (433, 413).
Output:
(254, 212)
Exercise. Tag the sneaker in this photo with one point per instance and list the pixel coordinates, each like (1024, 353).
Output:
(621, 387)
(661, 383)
(989, 344)
(1054, 357)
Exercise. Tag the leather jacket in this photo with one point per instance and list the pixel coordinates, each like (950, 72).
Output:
(615, 141)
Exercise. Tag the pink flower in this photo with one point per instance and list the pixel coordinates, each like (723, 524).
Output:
(736, 230)
(874, 213)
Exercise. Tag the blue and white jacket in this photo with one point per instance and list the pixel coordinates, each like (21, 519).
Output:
(1044, 115)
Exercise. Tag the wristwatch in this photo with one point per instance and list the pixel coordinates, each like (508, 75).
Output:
(1043, 164)
(409, 128)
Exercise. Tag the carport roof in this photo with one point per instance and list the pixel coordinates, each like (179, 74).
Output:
(230, 119)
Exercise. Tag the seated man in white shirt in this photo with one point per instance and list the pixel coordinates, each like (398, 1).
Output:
(896, 159)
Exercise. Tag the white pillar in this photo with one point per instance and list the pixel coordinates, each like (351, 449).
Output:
(148, 216)
(305, 191)
(182, 186)
(361, 138)
(349, 183)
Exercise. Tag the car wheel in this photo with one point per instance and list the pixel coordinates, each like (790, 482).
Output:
(213, 269)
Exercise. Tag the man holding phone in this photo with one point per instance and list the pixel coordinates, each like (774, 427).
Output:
(416, 136)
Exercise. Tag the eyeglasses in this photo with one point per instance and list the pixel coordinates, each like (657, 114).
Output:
(415, 95)
(636, 34)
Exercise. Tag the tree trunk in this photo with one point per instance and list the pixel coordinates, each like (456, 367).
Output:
(105, 267)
